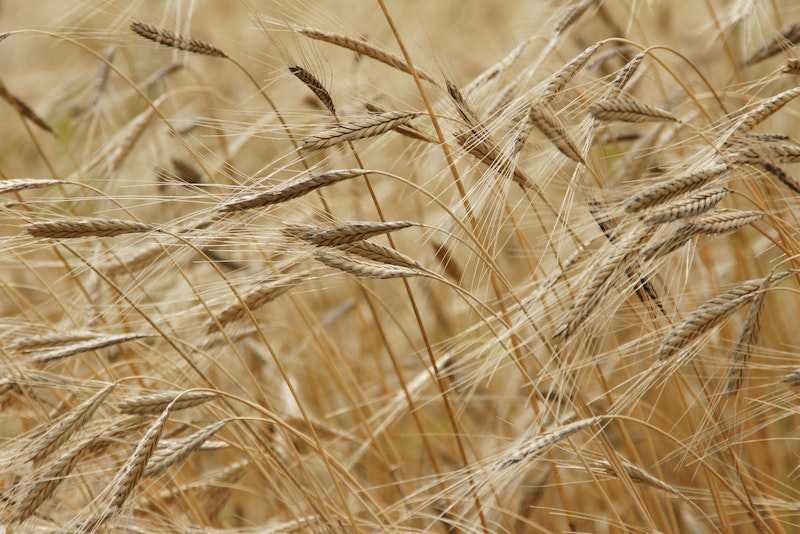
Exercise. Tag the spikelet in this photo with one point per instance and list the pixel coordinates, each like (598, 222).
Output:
(558, 80)
(364, 48)
(170, 454)
(370, 126)
(624, 108)
(86, 346)
(75, 228)
(695, 204)
(66, 426)
(744, 345)
(343, 234)
(171, 40)
(21, 184)
(291, 189)
(788, 38)
(364, 269)
(155, 403)
(764, 110)
(712, 312)
(255, 298)
(316, 87)
(548, 124)
(675, 187)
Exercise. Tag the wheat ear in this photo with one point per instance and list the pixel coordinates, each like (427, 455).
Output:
(558, 80)
(86, 346)
(155, 403)
(167, 38)
(291, 189)
(788, 38)
(547, 123)
(66, 426)
(695, 204)
(20, 184)
(747, 338)
(316, 87)
(675, 187)
(170, 454)
(370, 126)
(624, 108)
(75, 228)
(364, 269)
(711, 313)
(344, 234)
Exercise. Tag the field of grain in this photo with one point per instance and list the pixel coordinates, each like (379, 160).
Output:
(451, 266)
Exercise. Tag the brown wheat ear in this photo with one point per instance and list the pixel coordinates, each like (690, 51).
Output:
(23, 109)
(695, 204)
(167, 38)
(316, 87)
(364, 269)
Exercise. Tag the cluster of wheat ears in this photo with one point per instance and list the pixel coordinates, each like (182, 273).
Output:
(552, 292)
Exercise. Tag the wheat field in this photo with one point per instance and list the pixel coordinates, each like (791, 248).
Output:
(487, 266)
